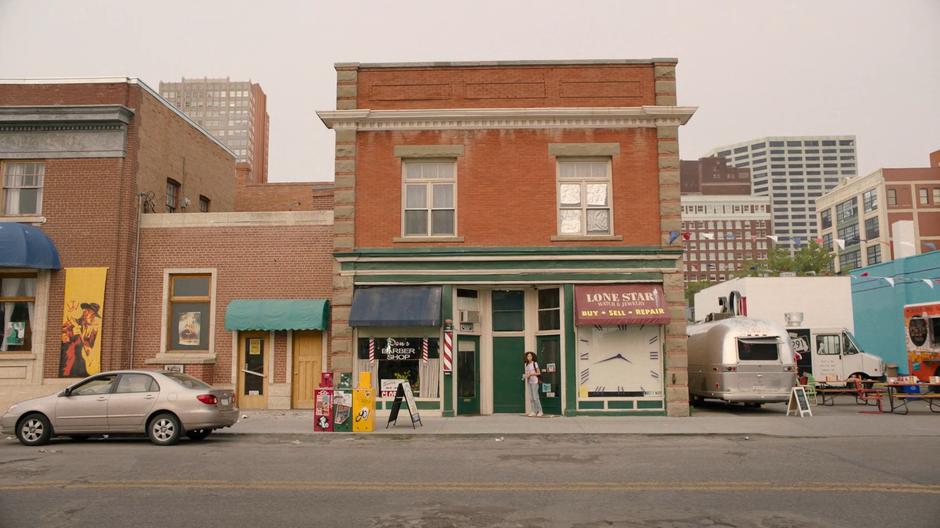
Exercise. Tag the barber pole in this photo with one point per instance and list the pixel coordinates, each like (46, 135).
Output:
(424, 350)
(371, 350)
(447, 353)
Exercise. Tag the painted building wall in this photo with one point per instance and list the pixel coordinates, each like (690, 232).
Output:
(824, 301)
(879, 308)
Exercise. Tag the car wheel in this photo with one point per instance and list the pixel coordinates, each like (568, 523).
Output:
(198, 434)
(164, 429)
(33, 430)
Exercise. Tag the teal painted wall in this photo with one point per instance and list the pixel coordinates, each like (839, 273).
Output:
(878, 309)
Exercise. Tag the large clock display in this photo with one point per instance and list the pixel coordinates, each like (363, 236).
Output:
(620, 361)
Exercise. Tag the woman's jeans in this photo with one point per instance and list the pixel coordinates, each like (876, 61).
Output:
(533, 391)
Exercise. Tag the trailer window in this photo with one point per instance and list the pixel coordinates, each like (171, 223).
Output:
(758, 349)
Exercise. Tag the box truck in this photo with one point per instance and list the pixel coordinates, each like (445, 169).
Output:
(817, 315)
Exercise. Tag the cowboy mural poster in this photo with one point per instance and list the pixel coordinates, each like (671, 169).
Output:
(82, 313)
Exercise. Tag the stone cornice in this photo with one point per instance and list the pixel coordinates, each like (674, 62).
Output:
(507, 118)
(65, 116)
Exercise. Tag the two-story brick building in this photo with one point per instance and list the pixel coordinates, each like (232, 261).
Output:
(80, 160)
(533, 204)
(104, 181)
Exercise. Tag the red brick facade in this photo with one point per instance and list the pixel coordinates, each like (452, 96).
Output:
(89, 204)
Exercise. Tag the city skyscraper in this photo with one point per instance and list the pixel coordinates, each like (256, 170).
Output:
(233, 111)
(793, 171)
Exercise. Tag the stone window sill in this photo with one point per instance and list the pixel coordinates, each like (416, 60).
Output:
(575, 238)
(399, 240)
(17, 356)
(184, 358)
(23, 219)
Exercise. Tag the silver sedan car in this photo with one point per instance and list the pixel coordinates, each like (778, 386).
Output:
(164, 405)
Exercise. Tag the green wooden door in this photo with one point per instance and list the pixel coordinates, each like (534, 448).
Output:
(508, 387)
(468, 375)
(549, 353)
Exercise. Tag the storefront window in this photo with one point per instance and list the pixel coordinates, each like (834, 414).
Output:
(401, 358)
(17, 304)
(508, 311)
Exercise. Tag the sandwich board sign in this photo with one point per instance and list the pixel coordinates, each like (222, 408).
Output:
(798, 402)
(404, 394)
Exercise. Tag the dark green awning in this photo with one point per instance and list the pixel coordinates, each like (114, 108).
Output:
(277, 314)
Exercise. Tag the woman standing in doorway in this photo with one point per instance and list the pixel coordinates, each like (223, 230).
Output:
(531, 379)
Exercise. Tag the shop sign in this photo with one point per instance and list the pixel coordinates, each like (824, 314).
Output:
(388, 387)
(398, 348)
(620, 304)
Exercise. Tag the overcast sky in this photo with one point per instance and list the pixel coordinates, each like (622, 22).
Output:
(754, 68)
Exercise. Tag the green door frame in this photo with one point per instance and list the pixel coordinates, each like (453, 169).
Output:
(468, 404)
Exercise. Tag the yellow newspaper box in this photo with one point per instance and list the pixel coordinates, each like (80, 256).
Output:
(363, 405)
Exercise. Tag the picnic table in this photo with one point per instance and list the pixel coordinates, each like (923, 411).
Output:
(894, 393)
(861, 389)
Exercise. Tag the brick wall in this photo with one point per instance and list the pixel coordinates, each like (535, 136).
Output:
(172, 148)
(89, 225)
(298, 196)
(260, 262)
(509, 171)
(506, 86)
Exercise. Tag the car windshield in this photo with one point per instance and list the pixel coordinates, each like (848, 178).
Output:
(187, 381)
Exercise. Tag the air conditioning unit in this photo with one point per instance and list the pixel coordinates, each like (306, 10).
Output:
(469, 316)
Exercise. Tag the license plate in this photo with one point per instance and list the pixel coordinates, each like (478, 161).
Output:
(225, 401)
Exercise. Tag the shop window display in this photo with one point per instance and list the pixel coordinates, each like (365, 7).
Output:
(17, 304)
(402, 358)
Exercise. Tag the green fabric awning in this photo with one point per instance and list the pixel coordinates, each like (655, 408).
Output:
(277, 314)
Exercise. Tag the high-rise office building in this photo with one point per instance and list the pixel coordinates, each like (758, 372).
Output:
(233, 111)
(793, 171)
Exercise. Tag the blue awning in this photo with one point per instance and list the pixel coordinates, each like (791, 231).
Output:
(396, 306)
(25, 246)
(277, 314)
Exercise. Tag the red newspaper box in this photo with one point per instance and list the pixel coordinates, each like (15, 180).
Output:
(323, 404)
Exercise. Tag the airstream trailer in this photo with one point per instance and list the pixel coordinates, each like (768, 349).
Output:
(742, 360)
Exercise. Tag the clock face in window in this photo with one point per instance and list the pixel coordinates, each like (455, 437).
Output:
(620, 361)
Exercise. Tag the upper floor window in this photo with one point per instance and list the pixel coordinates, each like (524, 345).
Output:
(203, 204)
(172, 195)
(922, 196)
(429, 198)
(584, 205)
(22, 188)
(825, 218)
(870, 199)
(846, 210)
(892, 196)
(936, 195)
(871, 228)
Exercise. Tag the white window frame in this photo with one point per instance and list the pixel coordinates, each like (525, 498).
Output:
(5, 190)
(583, 206)
(429, 196)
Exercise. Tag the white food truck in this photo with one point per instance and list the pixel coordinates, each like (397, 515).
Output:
(816, 312)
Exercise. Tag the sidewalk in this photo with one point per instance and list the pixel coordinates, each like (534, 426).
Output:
(842, 420)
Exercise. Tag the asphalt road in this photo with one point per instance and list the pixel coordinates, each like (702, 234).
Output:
(518, 481)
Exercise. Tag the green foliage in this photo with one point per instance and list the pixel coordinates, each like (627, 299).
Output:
(693, 288)
(811, 259)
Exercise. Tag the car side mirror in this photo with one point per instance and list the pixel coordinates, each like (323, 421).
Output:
(67, 391)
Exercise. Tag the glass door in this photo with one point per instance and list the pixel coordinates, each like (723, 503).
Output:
(468, 375)
(549, 354)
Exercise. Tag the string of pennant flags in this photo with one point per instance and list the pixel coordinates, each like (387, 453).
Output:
(797, 241)
(897, 279)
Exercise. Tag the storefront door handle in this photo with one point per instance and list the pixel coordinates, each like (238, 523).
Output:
(253, 373)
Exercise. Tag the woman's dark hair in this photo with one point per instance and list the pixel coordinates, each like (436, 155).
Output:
(535, 358)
